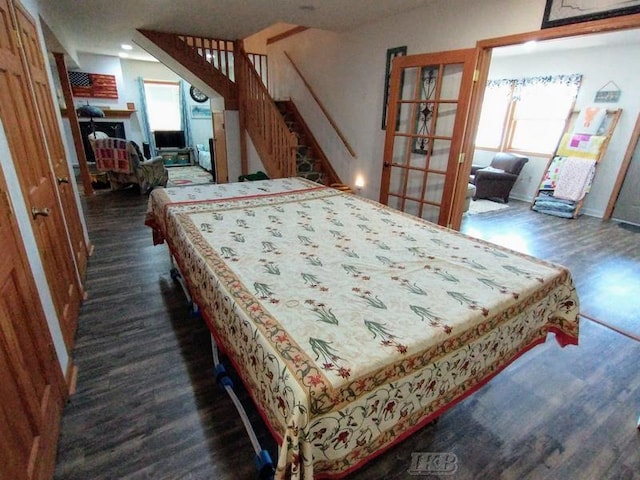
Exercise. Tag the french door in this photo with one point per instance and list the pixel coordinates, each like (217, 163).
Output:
(426, 117)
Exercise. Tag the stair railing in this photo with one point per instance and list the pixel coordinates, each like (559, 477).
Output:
(275, 144)
(218, 53)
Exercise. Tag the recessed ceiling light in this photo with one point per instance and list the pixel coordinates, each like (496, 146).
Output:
(123, 55)
(126, 46)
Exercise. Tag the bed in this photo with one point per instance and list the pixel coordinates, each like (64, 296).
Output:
(204, 156)
(351, 324)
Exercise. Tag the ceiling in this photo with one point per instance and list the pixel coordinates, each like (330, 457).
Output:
(100, 27)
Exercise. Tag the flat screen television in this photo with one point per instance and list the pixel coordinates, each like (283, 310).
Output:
(169, 138)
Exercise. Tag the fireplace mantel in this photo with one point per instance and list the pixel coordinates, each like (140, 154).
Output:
(108, 113)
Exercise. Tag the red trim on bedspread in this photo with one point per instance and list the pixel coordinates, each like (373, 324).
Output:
(561, 337)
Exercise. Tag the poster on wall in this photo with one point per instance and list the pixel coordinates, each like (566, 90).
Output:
(565, 12)
(93, 85)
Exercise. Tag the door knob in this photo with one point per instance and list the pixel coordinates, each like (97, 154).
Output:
(62, 180)
(39, 211)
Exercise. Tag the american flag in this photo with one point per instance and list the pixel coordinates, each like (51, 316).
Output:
(93, 85)
(79, 79)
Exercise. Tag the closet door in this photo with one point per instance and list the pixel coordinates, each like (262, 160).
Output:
(52, 136)
(25, 138)
(31, 383)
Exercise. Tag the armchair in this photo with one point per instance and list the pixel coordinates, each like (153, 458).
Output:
(124, 164)
(497, 180)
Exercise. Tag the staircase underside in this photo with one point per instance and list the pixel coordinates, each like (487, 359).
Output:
(174, 47)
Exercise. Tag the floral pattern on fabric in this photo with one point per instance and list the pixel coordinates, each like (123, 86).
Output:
(353, 323)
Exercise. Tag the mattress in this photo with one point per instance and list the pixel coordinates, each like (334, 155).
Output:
(352, 324)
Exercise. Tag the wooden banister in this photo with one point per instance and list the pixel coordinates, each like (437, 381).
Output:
(275, 144)
(324, 110)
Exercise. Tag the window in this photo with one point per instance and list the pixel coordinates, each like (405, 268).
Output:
(163, 105)
(526, 115)
(495, 106)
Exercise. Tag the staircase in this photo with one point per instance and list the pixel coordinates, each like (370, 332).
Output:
(278, 132)
(311, 162)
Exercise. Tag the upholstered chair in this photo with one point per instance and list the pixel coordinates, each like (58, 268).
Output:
(497, 180)
(125, 165)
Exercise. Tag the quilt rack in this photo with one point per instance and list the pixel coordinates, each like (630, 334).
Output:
(569, 172)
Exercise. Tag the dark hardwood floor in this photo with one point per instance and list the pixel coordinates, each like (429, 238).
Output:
(603, 257)
(146, 404)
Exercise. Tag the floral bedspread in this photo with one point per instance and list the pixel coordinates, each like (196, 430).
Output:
(352, 323)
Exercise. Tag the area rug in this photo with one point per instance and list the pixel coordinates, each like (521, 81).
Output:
(484, 206)
(188, 175)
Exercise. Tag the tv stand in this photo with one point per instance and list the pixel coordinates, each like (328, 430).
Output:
(176, 157)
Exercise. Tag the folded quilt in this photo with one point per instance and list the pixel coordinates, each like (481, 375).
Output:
(554, 206)
(574, 178)
(555, 213)
(553, 172)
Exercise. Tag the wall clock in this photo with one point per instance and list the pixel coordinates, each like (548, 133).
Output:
(197, 95)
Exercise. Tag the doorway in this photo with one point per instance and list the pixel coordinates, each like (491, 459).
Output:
(582, 32)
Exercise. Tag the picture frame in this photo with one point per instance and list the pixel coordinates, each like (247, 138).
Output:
(200, 111)
(391, 54)
(565, 12)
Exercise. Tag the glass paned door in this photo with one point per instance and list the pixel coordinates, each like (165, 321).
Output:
(428, 103)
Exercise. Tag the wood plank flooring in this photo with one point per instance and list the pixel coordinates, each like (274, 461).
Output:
(146, 404)
(603, 257)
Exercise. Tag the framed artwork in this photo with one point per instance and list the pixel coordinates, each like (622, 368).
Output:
(93, 85)
(391, 54)
(564, 12)
(200, 111)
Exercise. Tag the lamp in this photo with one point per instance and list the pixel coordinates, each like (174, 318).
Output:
(92, 112)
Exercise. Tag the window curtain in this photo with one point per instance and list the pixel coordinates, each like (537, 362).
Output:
(144, 116)
(185, 114)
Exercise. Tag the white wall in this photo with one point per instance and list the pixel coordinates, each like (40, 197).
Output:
(598, 65)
